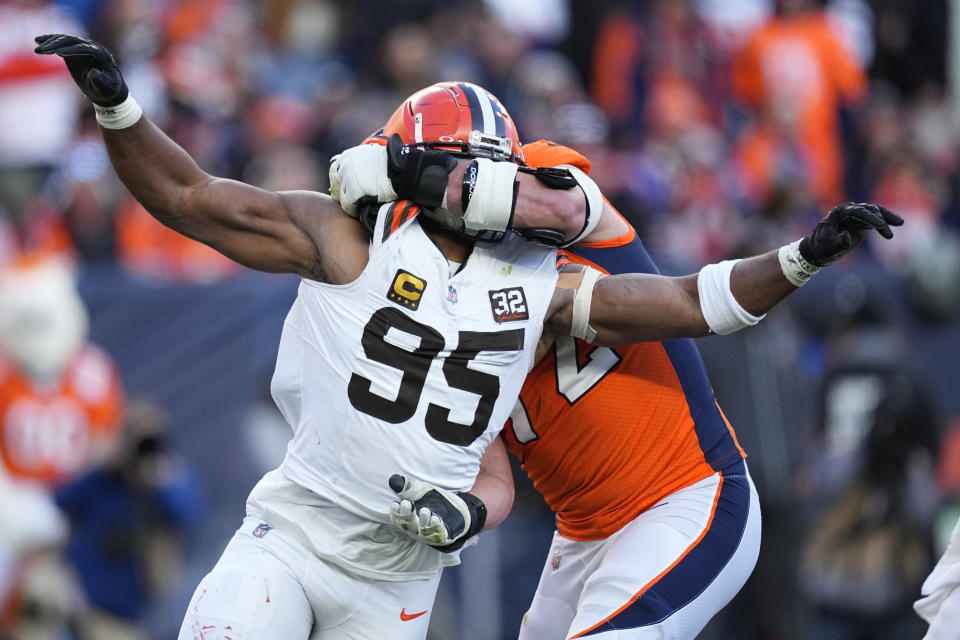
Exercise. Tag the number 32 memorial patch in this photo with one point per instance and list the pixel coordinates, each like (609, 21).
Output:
(509, 305)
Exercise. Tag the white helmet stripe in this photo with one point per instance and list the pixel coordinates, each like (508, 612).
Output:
(486, 108)
(418, 127)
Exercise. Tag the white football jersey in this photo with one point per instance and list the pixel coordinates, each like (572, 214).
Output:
(408, 369)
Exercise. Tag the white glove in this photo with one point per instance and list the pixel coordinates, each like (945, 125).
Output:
(435, 516)
(360, 172)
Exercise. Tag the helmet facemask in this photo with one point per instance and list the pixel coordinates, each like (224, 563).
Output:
(462, 120)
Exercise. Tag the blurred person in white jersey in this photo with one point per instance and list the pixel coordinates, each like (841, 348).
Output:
(940, 601)
(406, 346)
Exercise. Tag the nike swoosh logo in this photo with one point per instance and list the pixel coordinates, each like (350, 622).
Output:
(410, 616)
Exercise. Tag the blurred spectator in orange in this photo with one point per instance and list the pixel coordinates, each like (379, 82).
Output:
(617, 56)
(775, 171)
(209, 47)
(796, 62)
(635, 47)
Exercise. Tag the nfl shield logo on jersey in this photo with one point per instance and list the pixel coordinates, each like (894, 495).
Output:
(451, 294)
(555, 560)
(261, 530)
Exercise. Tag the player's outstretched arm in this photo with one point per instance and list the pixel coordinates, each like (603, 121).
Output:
(279, 232)
(721, 298)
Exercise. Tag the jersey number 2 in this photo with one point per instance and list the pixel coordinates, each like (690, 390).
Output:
(415, 365)
(573, 381)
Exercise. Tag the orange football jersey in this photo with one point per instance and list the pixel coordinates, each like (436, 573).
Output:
(606, 434)
(799, 61)
(47, 433)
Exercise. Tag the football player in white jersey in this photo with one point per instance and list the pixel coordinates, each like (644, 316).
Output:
(405, 349)
(623, 456)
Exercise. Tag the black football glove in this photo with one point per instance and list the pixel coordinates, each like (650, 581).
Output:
(843, 228)
(92, 66)
(442, 519)
(418, 174)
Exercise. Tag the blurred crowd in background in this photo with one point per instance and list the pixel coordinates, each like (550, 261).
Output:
(134, 363)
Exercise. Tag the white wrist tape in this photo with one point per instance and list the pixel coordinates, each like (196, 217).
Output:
(121, 116)
(720, 309)
(491, 201)
(582, 299)
(794, 267)
(594, 202)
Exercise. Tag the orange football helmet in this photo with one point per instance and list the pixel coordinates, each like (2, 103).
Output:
(459, 117)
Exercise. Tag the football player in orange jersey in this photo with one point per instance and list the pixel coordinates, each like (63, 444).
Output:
(316, 557)
(658, 521)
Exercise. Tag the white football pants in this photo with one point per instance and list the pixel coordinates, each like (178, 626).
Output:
(664, 575)
(266, 587)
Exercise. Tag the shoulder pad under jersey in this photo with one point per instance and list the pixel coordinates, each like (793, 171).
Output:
(544, 153)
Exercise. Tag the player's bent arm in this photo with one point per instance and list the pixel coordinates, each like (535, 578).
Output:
(278, 232)
(288, 232)
(534, 206)
(298, 232)
(557, 205)
(494, 483)
(573, 209)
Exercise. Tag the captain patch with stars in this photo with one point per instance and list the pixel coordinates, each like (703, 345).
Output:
(407, 289)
